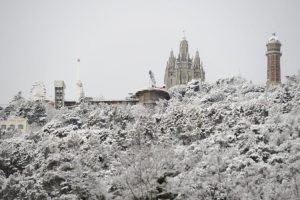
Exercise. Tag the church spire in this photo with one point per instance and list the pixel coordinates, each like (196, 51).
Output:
(197, 60)
(172, 59)
(171, 54)
(183, 50)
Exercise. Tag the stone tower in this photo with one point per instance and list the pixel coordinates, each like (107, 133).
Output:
(183, 69)
(273, 54)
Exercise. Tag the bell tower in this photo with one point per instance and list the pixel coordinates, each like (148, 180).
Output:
(273, 55)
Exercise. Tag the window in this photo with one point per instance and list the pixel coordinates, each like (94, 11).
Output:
(12, 127)
(20, 126)
(3, 126)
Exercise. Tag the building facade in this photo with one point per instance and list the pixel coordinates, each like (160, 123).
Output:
(273, 55)
(16, 123)
(183, 69)
(59, 94)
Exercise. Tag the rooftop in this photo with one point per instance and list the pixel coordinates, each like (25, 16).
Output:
(273, 39)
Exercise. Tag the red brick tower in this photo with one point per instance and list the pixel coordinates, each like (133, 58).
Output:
(273, 54)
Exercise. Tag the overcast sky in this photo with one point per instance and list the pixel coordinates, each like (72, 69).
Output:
(119, 41)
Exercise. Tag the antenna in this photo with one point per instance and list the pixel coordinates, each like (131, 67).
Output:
(152, 79)
(79, 83)
(77, 70)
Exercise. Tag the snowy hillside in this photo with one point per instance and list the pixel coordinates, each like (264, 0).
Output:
(228, 140)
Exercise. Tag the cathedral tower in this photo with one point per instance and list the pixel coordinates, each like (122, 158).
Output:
(273, 54)
(183, 69)
(198, 68)
(183, 50)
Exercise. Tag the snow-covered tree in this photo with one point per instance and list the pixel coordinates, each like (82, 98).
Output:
(227, 140)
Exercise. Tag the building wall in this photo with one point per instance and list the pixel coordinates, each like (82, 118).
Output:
(151, 96)
(273, 64)
(59, 94)
(18, 123)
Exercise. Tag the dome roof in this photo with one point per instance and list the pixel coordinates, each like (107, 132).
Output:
(273, 39)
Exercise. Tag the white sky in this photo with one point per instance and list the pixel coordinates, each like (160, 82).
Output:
(119, 41)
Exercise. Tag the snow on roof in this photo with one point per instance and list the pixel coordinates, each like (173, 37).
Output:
(152, 89)
(273, 39)
(59, 83)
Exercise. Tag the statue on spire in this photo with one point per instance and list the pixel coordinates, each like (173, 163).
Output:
(183, 32)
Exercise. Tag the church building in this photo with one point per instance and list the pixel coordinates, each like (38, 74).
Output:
(183, 69)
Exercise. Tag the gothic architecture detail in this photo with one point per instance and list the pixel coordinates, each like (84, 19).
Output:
(183, 69)
(273, 54)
